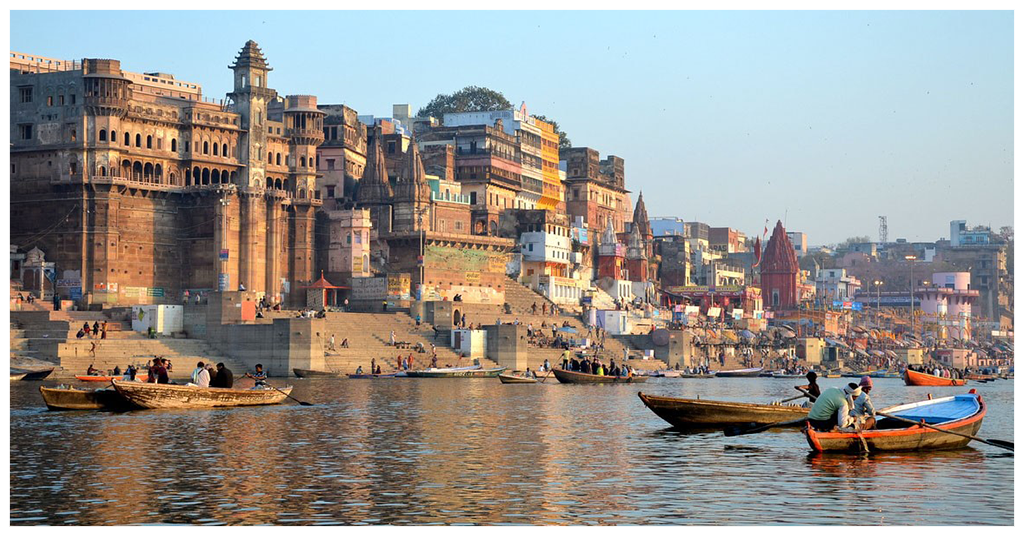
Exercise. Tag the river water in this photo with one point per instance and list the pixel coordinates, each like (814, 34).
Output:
(475, 451)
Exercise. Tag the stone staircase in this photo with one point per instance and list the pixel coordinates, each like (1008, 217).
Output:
(369, 336)
(49, 337)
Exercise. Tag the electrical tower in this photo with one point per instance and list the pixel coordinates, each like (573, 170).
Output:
(883, 230)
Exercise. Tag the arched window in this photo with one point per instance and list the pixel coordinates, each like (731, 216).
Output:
(303, 160)
(225, 177)
(103, 134)
(206, 147)
(174, 145)
(113, 136)
(277, 184)
(158, 172)
(279, 159)
(206, 176)
(188, 177)
(147, 173)
(214, 148)
(302, 194)
(103, 171)
(138, 140)
(137, 171)
(149, 142)
(127, 139)
(215, 176)
(270, 158)
(171, 180)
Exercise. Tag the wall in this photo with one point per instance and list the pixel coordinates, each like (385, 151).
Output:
(506, 346)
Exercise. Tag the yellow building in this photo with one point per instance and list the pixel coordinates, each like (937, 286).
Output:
(552, 194)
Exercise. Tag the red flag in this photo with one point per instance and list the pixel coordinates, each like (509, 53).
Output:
(757, 252)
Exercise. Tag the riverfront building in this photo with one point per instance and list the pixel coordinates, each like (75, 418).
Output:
(139, 188)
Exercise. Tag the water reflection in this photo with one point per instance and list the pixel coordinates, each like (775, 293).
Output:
(476, 451)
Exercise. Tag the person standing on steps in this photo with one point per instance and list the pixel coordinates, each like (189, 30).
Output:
(331, 345)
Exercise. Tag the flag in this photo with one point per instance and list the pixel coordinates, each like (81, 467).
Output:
(757, 252)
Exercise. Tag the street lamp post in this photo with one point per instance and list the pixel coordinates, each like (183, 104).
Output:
(911, 258)
(878, 300)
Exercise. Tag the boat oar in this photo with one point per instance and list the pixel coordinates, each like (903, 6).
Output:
(1008, 445)
(546, 375)
(301, 403)
(740, 430)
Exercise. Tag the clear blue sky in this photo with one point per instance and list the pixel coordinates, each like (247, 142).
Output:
(824, 119)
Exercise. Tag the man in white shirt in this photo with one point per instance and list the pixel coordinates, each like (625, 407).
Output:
(201, 376)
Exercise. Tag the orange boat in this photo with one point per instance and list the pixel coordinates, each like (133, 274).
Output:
(86, 378)
(919, 378)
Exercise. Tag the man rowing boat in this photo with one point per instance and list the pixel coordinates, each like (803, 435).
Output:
(832, 409)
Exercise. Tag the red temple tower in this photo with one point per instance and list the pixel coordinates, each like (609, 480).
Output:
(779, 269)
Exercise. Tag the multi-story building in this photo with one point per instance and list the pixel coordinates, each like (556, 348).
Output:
(489, 166)
(341, 158)
(595, 189)
(726, 240)
(835, 284)
(145, 189)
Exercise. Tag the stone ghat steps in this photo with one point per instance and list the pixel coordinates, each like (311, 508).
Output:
(369, 336)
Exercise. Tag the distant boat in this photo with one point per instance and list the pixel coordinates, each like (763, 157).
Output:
(459, 372)
(513, 378)
(32, 375)
(70, 398)
(960, 413)
(370, 376)
(569, 376)
(709, 375)
(169, 396)
(740, 373)
(911, 377)
(305, 373)
(713, 414)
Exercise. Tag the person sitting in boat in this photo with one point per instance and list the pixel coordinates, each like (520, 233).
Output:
(378, 370)
(117, 371)
(600, 369)
(832, 409)
(547, 366)
(863, 409)
(201, 376)
(812, 386)
(158, 372)
(359, 369)
(92, 371)
(529, 373)
(259, 376)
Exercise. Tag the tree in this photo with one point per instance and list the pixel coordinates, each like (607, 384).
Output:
(467, 99)
(563, 140)
(845, 244)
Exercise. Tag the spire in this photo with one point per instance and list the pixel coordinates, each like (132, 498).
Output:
(374, 186)
(251, 56)
(413, 184)
(779, 255)
(640, 218)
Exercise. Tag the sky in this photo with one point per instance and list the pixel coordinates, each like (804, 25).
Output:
(824, 120)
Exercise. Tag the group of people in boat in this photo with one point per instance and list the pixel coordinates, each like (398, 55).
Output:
(593, 365)
(206, 375)
(845, 409)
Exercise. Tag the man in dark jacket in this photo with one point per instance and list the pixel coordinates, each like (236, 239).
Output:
(158, 372)
(225, 379)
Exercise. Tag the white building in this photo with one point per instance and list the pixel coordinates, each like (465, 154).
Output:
(835, 284)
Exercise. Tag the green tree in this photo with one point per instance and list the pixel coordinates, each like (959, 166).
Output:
(467, 99)
(563, 139)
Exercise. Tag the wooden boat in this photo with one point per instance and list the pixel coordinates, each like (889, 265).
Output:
(960, 413)
(512, 378)
(33, 375)
(305, 373)
(461, 372)
(569, 376)
(169, 396)
(740, 373)
(17, 377)
(713, 414)
(696, 375)
(667, 374)
(980, 377)
(70, 398)
(779, 374)
(370, 376)
(911, 377)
